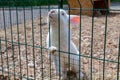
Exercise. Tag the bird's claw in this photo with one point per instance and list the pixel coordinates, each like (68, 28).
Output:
(52, 49)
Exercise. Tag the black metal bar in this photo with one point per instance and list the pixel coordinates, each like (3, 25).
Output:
(60, 3)
(80, 31)
(41, 56)
(118, 64)
(105, 41)
(25, 37)
(33, 40)
(92, 37)
(12, 39)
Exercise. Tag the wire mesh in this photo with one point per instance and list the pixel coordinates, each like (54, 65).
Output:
(23, 51)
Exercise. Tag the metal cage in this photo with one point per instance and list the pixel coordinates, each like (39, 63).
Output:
(23, 32)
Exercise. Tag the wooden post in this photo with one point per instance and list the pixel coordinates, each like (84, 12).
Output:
(87, 6)
(102, 4)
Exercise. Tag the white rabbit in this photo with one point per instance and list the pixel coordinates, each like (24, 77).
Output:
(58, 39)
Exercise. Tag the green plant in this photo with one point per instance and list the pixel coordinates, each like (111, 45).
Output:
(29, 2)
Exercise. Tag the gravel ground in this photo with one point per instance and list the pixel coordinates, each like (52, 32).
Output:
(19, 49)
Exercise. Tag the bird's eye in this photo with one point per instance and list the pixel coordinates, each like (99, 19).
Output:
(63, 13)
(52, 11)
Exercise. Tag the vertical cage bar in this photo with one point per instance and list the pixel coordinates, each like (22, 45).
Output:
(105, 38)
(5, 33)
(40, 12)
(69, 46)
(92, 36)
(118, 64)
(4, 25)
(26, 51)
(33, 42)
(50, 53)
(59, 43)
(50, 45)
(41, 43)
(1, 57)
(61, 3)
(12, 39)
(80, 30)
(19, 50)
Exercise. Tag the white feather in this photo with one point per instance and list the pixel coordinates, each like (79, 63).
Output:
(60, 38)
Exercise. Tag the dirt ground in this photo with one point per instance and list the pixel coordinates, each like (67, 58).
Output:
(25, 57)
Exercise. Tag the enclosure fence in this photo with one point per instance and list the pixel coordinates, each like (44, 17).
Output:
(23, 33)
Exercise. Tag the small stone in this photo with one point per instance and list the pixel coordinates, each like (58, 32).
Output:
(30, 64)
